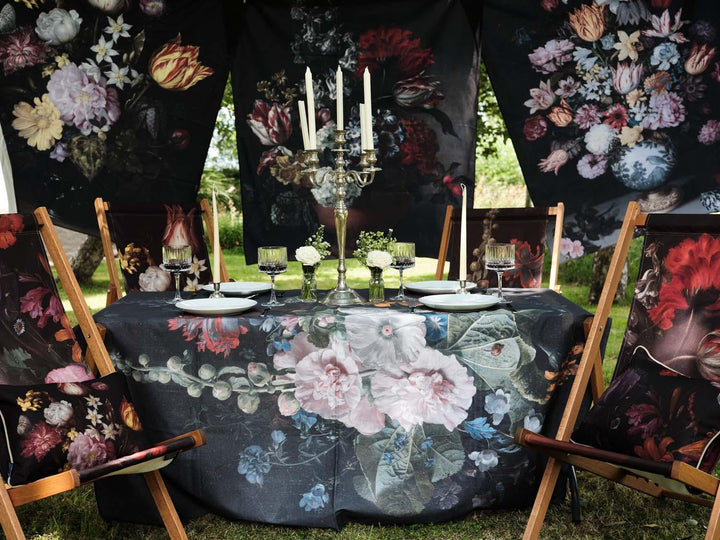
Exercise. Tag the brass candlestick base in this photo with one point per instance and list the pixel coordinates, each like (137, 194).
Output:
(341, 295)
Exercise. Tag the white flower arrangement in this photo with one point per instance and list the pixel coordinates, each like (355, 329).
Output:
(307, 255)
(378, 259)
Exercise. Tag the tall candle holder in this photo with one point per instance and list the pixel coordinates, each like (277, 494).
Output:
(341, 295)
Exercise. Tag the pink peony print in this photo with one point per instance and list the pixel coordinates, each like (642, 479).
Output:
(587, 116)
(366, 418)
(710, 132)
(327, 382)
(435, 389)
(68, 374)
(666, 110)
(83, 101)
(89, 450)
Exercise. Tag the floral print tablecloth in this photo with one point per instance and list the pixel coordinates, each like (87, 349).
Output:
(316, 414)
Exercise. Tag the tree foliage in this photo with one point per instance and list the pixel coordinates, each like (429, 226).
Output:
(491, 130)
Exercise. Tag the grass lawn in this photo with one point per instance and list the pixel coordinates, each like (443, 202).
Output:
(610, 511)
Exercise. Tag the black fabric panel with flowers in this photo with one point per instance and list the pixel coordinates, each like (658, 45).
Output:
(37, 342)
(609, 101)
(140, 231)
(423, 60)
(108, 98)
(524, 227)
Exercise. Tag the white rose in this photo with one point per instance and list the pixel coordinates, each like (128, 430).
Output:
(58, 413)
(58, 26)
(598, 138)
(307, 255)
(378, 259)
(154, 280)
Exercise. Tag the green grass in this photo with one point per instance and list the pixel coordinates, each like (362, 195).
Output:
(610, 511)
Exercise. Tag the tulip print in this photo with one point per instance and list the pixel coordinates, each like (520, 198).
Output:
(176, 67)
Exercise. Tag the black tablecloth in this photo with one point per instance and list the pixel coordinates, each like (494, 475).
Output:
(315, 415)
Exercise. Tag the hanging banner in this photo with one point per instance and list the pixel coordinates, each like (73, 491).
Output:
(423, 62)
(609, 101)
(108, 98)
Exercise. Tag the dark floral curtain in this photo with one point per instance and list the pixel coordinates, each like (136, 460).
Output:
(423, 58)
(609, 101)
(108, 98)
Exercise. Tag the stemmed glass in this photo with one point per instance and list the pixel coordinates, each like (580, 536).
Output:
(272, 260)
(176, 260)
(500, 258)
(403, 257)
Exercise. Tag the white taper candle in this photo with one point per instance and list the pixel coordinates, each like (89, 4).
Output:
(310, 94)
(303, 124)
(463, 236)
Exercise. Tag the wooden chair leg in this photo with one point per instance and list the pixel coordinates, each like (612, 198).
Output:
(713, 530)
(165, 505)
(542, 500)
(8, 517)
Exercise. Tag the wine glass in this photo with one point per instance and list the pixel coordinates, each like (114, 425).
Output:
(500, 258)
(272, 260)
(176, 260)
(403, 257)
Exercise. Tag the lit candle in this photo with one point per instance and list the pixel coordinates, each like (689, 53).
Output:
(463, 236)
(216, 241)
(363, 128)
(303, 124)
(367, 94)
(312, 140)
(339, 98)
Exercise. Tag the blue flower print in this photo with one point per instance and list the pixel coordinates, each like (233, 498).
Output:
(429, 462)
(400, 442)
(498, 405)
(304, 421)
(254, 463)
(427, 443)
(436, 328)
(315, 498)
(388, 457)
(665, 55)
(278, 437)
(479, 428)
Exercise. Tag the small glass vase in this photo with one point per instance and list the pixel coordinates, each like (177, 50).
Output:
(376, 286)
(308, 287)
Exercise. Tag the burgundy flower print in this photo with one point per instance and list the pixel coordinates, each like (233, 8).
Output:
(420, 146)
(271, 123)
(180, 228)
(528, 263)
(40, 441)
(21, 49)
(644, 419)
(534, 128)
(10, 225)
(693, 280)
(219, 334)
(392, 48)
(417, 92)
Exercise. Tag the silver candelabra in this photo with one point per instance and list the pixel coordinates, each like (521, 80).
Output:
(341, 295)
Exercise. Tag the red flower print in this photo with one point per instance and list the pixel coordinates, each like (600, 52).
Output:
(694, 280)
(392, 48)
(67, 334)
(10, 225)
(271, 123)
(528, 263)
(534, 128)
(420, 146)
(40, 441)
(616, 116)
(219, 334)
(31, 303)
(654, 451)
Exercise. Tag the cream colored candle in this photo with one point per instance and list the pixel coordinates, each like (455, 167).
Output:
(216, 241)
(339, 98)
(363, 128)
(463, 236)
(310, 94)
(303, 124)
(367, 94)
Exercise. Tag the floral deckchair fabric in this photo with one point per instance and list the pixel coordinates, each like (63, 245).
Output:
(140, 231)
(524, 227)
(37, 342)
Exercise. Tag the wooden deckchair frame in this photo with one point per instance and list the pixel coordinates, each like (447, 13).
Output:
(558, 211)
(632, 472)
(115, 287)
(12, 497)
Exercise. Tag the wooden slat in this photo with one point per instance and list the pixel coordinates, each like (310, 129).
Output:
(165, 505)
(444, 243)
(559, 213)
(8, 517)
(209, 227)
(114, 291)
(45, 487)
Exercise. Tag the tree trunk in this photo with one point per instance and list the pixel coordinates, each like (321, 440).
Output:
(601, 265)
(87, 259)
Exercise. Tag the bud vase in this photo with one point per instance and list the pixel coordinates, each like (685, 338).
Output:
(308, 287)
(376, 286)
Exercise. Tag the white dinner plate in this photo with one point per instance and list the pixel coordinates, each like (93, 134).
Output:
(437, 287)
(459, 302)
(216, 306)
(239, 288)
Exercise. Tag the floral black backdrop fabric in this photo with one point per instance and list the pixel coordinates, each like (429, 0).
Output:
(110, 98)
(609, 101)
(423, 59)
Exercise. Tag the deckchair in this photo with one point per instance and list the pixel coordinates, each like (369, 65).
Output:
(138, 232)
(526, 227)
(46, 355)
(655, 429)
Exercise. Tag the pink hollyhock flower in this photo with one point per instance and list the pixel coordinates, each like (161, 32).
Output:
(300, 347)
(327, 382)
(554, 161)
(71, 373)
(83, 101)
(434, 389)
(40, 441)
(366, 418)
(88, 451)
(271, 124)
(21, 49)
